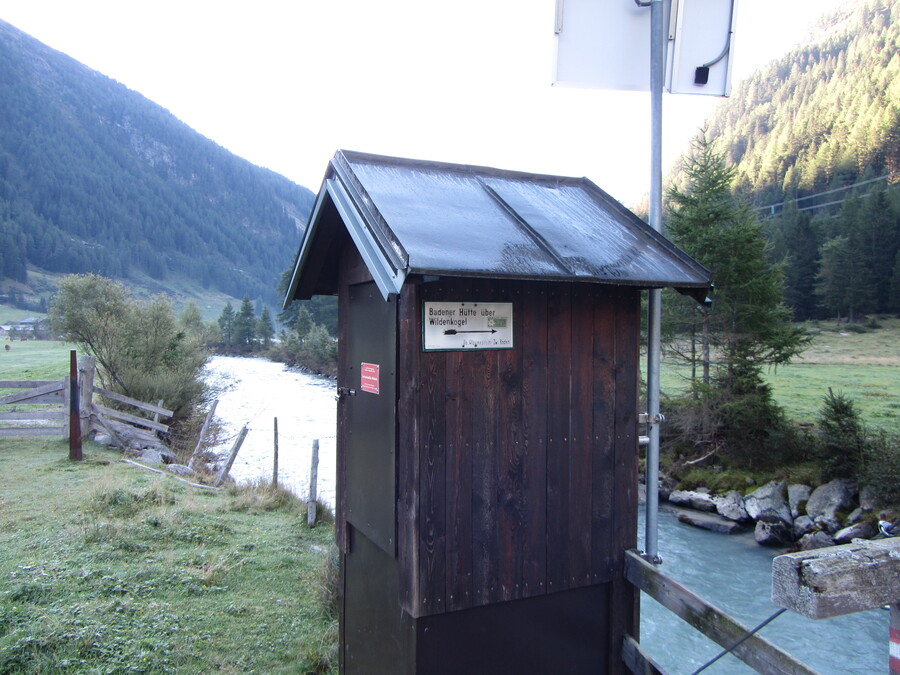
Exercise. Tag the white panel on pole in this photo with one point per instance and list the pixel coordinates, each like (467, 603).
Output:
(604, 44)
(700, 46)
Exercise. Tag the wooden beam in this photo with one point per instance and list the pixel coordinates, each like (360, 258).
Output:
(637, 661)
(33, 415)
(33, 431)
(34, 393)
(838, 580)
(755, 651)
(133, 419)
(25, 384)
(127, 400)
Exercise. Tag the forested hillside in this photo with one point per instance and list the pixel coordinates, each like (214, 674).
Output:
(96, 178)
(815, 138)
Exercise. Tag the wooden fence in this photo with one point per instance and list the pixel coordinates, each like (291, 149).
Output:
(46, 406)
(752, 649)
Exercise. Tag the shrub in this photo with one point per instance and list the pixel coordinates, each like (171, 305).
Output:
(881, 467)
(842, 444)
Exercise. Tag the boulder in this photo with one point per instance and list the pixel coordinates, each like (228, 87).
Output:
(708, 521)
(826, 500)
(181, 470)
(797, 495)
(855, 516)
(773, 533)
(868, 499)
(700, 500)
(863, 530)
(813, 540)
(731, 506)
(150, 456)
(804, 525)
(830, 525)
(768, 503)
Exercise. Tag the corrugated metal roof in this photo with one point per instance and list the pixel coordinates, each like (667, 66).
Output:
(416, 217)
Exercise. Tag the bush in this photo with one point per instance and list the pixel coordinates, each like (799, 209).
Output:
(141, 349)
(737, 420)
(881, 467)
(843, 437)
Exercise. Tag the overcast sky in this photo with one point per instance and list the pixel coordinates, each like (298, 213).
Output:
(285, 83)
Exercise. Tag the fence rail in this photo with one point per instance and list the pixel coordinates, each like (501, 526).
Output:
(55, 398)
(755, 651)
(38, 392)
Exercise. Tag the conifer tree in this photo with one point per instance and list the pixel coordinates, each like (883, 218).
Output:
(226, 325)
(748, 320)
(265, 330)
(244, 326)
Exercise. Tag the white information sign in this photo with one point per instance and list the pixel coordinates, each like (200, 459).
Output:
(449, 326)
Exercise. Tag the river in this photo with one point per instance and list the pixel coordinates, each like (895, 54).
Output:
(733, 572)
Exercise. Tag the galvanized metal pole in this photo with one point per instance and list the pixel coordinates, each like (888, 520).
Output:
(654, 319)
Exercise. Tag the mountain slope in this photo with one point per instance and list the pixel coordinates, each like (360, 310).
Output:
(96, 178)
(824, 115)
(815, 141)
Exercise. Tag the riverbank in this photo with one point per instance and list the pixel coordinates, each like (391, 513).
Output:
(108, 568)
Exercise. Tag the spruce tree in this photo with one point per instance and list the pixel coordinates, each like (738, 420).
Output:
(265, 330)
(245, 327)
(747, 327)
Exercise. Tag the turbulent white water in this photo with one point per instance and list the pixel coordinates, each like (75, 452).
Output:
(732, 572)
(256, 392)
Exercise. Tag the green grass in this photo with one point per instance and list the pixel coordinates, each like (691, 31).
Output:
(34, 360)
(105, 567)
(864, 366)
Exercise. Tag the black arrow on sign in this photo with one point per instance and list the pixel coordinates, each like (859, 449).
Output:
(459, 332)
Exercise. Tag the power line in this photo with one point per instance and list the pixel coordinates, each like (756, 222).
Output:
(772, 207)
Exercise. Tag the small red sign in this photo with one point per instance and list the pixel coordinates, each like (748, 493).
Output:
(368, 377)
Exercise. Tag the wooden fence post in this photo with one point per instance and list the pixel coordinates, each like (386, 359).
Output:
(86, 367)
(74, 409)
(312, 505)
(275, 460)
(203, 431)
(242, 434)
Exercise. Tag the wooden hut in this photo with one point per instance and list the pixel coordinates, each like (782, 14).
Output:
(488, 412)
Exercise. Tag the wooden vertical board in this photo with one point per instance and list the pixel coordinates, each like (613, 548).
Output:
(603, 447)
(484, 432)
(581, 440)
(535, 343)
(627, 371)
(432, 484)
(459, 402)
(409, 346)
(625, 612)
(340, 525)
(559, 402)
(513, 508)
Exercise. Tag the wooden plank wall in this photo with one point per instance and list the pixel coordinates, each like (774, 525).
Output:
(517, 468)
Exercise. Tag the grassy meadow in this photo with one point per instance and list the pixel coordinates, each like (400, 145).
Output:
(863, 365)
(34, 360)
(109, 568)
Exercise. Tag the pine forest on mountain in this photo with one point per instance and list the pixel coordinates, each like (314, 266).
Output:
(815, 141)
(96, 178)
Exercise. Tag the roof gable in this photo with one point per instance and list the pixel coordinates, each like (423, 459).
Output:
(413, 217)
